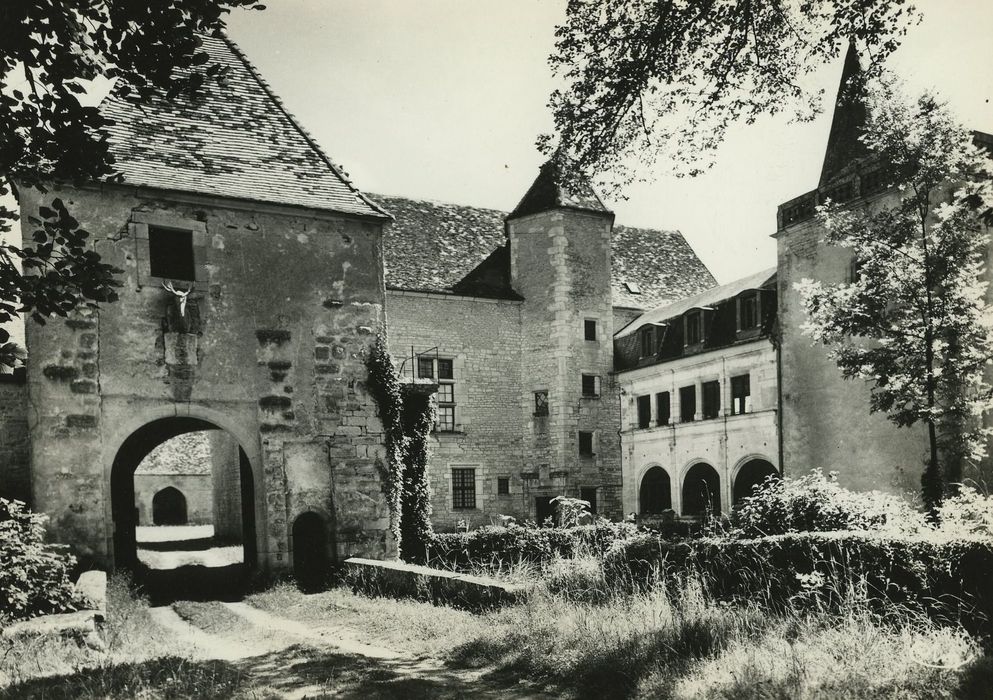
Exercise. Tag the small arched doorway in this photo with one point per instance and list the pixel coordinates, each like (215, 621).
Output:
(701, 490)
(655, 495)
(311, 559)
(751, 474)
(169, 507)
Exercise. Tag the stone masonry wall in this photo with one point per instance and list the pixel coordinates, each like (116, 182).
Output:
(15, 476)
(287, 303)
(482, 336)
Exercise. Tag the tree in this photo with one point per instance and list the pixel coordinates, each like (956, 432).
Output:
(651, 78)
(914, 321)
(49, 53)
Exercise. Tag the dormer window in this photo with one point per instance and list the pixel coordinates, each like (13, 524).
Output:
(748, 311)
(693, 327)
(632, 287)
(647, 342)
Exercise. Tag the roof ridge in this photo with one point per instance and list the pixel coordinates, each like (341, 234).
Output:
(430, 200)
(311, 141)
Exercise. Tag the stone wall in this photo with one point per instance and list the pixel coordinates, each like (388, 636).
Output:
(225, 472)
(287, 303)
(726, 442)
(482, 336)
(826, 419)
(196, 489)
(15, 454)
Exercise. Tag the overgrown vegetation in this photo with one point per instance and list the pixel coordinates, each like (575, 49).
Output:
(34, 575)
(407, 414)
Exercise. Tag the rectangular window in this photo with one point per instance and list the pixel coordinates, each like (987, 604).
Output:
(588, 494)
(446, 419)
(694, 327)
(463, 488)
(589, 329)
(446, 369)
(645, 411)
(647, 341)
(425, 367)
(662, 408)
(170, 253)
(748, 311)
(741, 394)
(591, 385)
(503, 486)
(585, 443)
(446, 393)
(711, 399)
(687, 403)
(541, 403)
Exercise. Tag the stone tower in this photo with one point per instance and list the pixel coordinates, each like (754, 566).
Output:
(560, 248)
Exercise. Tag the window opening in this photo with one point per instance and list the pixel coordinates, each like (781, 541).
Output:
(463, 488)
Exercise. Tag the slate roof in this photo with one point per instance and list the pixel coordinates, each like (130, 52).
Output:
(844, 147)
(237, 140)
(452, 248)
(553, 189)
(705, 299)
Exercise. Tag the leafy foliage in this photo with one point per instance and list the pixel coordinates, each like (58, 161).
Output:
(49, 53)
(646, 79)
(817, 503)
(34, 576)
(914, 319)
(384, 385)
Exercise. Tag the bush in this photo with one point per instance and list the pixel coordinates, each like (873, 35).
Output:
(502, 547)
(967, 513)
(816, 503)
(34, 576)
(945, 579)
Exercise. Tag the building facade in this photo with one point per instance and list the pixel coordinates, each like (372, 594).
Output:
(699, 400)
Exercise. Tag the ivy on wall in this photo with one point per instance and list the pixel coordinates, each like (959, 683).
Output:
(407, 414)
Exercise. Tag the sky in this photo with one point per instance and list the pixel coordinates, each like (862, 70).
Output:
(443, 100)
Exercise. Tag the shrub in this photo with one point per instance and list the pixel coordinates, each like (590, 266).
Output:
(945, 579)
(497, 546)
(817, 503)
(968, 512)
(34, 576)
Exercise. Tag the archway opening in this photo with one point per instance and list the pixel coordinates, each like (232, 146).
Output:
(183, 506)
(169, 507)
(311, 553)
(701, 490)
(655, 495)
(751, 474)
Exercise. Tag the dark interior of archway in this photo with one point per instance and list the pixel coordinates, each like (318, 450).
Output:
(311, 556)
(702, 485)
(169, 507)
(656, 492)
(749, 476)
(186, 582)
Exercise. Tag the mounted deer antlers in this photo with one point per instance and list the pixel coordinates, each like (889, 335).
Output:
(180, 296)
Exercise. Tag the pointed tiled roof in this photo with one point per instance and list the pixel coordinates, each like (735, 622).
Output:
(235, 140)
(843, 145)
(554, 188)
(452, 248)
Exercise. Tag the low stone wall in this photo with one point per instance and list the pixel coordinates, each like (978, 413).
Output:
(399, 580)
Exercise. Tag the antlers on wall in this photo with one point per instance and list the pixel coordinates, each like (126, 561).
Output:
(180, 296)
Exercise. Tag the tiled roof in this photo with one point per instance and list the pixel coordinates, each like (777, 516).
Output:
(235, 140)
(844, 146)
(553, 189)
(704, 299)
(434, 246)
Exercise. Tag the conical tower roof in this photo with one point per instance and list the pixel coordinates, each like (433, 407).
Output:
(557, 188)
(236, 139)
(849, 119)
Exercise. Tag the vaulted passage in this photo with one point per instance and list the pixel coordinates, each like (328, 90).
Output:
(169, 507)
(311, 552)
(701, 490)
(183, 504)
(656, 492)
(750, 475)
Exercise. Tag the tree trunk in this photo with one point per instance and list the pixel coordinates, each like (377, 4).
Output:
(931, 479)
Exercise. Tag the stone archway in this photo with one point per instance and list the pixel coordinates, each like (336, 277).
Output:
(311, 551)
(749, 475)
(701, 490)
(169, 507)
(655, 494)
(129, 456)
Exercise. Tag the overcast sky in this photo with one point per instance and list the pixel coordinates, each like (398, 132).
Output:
(443, 99)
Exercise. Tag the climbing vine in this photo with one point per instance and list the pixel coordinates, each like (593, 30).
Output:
(407, 413)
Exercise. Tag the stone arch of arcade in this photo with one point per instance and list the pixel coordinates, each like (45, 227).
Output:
(749, 473)
(654, 491)
(701, 489)
(138, 443)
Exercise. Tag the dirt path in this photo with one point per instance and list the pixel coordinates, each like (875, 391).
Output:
(289, 659)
